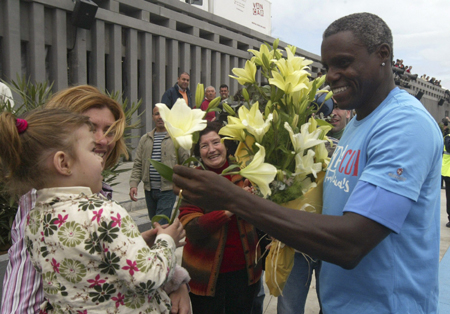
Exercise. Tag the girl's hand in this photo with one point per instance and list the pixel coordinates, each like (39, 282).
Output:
(175, 230)
(248, 186)
(149, 236)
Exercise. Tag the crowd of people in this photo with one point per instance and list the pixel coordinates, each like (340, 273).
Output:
(432, 80)
(375, 248)
(399, 64)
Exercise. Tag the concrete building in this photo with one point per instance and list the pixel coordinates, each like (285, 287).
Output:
(134, 46)
(138, 47)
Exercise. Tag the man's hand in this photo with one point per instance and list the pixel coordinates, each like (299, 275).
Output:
(133, 194)
(204, 189)
(181, 303)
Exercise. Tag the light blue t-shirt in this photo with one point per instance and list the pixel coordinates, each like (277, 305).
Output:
(398, 148)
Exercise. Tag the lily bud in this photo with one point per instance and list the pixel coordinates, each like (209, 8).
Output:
(214, 103)
(275, 44)
(228, 109)
(280, 175)
(328, 96)
(275, 117)
(246, 96)
(295, 120)
(199, 95)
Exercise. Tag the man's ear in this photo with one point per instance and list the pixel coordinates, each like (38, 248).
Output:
(62, 163)
(384, 52)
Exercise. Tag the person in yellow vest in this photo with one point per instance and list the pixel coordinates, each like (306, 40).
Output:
(446, 173)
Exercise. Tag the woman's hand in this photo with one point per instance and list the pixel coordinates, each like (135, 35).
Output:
(181, 303)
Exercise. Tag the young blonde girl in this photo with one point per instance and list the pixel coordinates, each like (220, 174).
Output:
(90, 253)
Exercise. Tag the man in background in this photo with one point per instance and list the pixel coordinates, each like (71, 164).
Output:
(179, 90)
(339, 119)
(210, 94)
(156, 145)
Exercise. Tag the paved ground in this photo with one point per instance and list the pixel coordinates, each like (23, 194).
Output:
(139, 213)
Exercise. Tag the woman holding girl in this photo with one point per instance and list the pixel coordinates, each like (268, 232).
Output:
(22, 289)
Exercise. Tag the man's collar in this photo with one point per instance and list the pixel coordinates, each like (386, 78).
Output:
(179, 88)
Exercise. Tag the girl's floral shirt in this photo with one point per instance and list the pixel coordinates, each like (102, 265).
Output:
(92, 257)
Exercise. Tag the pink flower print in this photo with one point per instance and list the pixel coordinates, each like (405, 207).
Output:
(105, 249)
(117, 221)
(131, 266)
(55, 265)
(119, 299)
(81, 312)
(97, 215)
(42, 234)
(96, 281)
(61, 220)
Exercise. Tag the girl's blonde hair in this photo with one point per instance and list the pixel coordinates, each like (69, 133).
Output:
(24, 157)
(80, 99)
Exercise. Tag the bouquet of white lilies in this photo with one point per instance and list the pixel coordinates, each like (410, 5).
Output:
(282, 147)
(284, 137)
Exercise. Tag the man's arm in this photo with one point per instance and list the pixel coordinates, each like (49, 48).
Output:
(342, 240)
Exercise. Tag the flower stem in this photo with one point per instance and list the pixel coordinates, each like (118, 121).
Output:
(249, 149)
(229, 173)
(261, 92)
(176, 211)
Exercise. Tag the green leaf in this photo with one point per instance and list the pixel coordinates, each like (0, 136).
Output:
(158, 218)
(165, 171)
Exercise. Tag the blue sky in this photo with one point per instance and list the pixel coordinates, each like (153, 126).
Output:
(421, 29)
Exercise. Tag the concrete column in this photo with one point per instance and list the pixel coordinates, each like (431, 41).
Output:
(58, 54)
(11, 40)
(146, 82)
(206, 67)
(114, 63)
(131, 78)
(36, 57)
(97, 73)
(173, 61)
(78, 62)
(160, 67)
(215, 70)
(196, 65)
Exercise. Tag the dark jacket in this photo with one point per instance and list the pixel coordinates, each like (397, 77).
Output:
(172, 94)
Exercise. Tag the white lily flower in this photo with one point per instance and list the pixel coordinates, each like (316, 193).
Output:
(181, 122)
(259, 172)
(304, 139)
(305, 165)
(253, 121)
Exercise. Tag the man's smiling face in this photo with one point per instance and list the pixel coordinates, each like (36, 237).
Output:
(353, 73)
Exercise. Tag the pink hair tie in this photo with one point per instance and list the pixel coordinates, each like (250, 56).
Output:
(21, 125)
